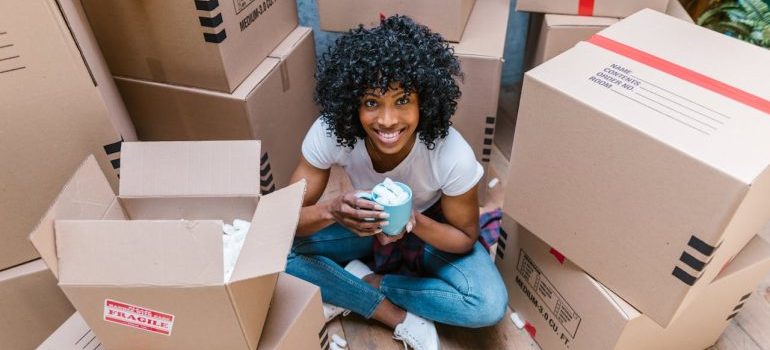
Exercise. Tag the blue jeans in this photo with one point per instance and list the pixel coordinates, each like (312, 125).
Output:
(461, 290)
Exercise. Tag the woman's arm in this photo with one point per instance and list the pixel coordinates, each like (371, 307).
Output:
(347, 209)
(462, 228)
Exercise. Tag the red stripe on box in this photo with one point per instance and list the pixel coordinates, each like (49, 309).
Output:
(559, 256)
(530, 329)
(683, 73)
(586, 8)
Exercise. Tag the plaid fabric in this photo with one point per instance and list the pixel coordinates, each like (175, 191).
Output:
(405, 255)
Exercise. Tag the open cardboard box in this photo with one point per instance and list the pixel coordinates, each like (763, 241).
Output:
(565, 308)
(295, 322)
(145, 268)
(642, 162)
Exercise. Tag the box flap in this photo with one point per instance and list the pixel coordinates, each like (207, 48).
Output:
(485, 32)
(256, 77)
(272, 231)
(140, 252)
(714, 112)
(22, 270)
(756, 252)
(190, 168)
(87, 195)
(552, 20)
(290, 42)
(252, 298)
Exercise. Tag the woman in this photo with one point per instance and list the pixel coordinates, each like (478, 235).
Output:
(386, 95)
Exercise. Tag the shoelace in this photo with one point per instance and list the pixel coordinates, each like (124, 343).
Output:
(408, 335)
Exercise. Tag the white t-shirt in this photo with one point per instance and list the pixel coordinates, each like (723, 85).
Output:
(450, 168)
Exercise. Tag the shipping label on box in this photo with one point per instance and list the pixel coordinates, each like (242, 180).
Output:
(649, 156)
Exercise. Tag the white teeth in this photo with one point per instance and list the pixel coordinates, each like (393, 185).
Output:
(389, 135)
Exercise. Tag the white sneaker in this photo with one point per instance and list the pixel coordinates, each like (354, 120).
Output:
(332, 311)
(417, 332)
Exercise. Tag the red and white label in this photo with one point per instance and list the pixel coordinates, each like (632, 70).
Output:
(138, 317)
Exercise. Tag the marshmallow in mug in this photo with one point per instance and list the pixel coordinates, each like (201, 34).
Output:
(388, 193)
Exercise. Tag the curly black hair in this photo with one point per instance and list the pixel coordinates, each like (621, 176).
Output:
(398, 51)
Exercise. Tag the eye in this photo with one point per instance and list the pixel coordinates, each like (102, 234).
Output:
(369, 103)
(402, 100)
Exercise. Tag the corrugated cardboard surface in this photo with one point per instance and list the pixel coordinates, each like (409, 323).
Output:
(561, 32)
(170, 261)
(52, 117)
(295, 321)
(607, 8)
(633, 184)
(343, 15)
(570, 310)
(481, 53)
(274, 104)
(164, 41)
(86, 42)
(31, 305)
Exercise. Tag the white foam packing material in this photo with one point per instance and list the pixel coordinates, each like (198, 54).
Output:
(388, 192)
(232, 239)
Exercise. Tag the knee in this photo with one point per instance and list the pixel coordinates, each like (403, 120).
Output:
(488, 308)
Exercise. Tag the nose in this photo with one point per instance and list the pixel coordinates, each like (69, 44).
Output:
(388, 117)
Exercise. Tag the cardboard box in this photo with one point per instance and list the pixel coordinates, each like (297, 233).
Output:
(605, 8)
(145, 268)
(343, 15)
(567, 309)
(645, 171)
(208, 44)
(54, 113)
(554, 34)
(296, 318)
(481, 60)
(294, 321)
(31, 305)
(274, 104)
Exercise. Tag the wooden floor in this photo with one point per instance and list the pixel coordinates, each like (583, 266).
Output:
(750, 330)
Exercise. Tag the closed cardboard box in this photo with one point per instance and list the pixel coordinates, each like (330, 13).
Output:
(606, 8)
(343, 15)
(641, 161)
(208, 44)
(555, 34)
(295, 321)
(145, 269)
(31, 305)
(274, 104)
(481, 59)
(54, 113)
(565, 308)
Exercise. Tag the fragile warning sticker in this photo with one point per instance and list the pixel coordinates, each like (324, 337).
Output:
(138, 317)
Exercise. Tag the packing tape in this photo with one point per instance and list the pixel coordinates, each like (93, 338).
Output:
(586, 7)
(683, 73)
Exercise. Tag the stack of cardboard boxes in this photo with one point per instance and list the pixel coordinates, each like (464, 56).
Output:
(59, 105)
(477, 30)
(213, 70)
(145, 269)
(556, 26)
(639, 189)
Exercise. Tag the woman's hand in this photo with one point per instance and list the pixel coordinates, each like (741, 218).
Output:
(387, 239)
(362, 216)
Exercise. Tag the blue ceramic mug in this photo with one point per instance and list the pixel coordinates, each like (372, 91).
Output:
(399, 214)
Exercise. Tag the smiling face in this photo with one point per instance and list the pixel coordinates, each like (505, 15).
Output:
(390, 120)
